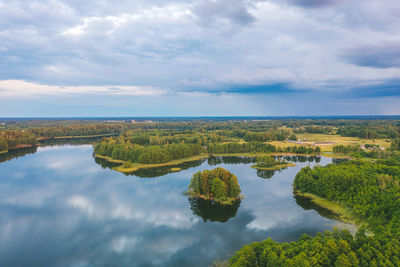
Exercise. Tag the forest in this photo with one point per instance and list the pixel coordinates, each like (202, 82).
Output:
(117, 148)
(369, 132)
(371, 191)
(12, 139)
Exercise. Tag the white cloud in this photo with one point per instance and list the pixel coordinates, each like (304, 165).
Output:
(12, 88)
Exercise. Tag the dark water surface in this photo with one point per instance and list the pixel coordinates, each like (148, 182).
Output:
(59, 207)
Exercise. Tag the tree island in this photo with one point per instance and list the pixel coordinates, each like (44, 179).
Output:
(271, 164)
(218, 184)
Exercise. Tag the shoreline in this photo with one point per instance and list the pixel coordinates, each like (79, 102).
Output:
(137, 166)
(229, 201)
(75, 136)
(274, 168)
(344, 214)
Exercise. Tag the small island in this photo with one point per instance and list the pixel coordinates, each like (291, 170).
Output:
(268, 163)
(218, 185)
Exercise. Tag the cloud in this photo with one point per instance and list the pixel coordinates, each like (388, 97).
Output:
(16, 88)
(152, 48)
(387, 88)
(314, 3)
(377, 56)
(235, 11)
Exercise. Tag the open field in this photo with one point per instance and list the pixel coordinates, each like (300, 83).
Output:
(337, 139)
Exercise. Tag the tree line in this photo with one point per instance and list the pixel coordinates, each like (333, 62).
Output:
(78, 130)
(369, 132)
(257, 147)
(358, 152)
(146, 154)
(13, 139)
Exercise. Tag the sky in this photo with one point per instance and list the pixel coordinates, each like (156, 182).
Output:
(199, 58)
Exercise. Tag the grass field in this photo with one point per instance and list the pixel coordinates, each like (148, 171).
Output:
(337, 139)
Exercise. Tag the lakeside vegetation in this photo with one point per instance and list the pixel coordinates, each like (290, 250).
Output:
(128, 167)
(271, 164)
(218, 184)
(359, 190)
(10, 140)
(340, 212)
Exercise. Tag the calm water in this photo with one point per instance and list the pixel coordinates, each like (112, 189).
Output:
(59, 207)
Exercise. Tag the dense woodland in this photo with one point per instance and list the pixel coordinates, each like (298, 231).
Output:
(12, 139)
(372, 192)
(119, 149)
(218, 184)
(369, 132)
(257, 147)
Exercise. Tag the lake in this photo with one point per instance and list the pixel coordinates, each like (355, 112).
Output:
(61, 207)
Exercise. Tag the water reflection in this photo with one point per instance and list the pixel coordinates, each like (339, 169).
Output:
(151, 172)
(161, 171)
(16, 153)
(212, 211)
(307, 204)
(84, 215)
(302, 159)
(105, 164)
(266, 174)
(338, 160)
(69, 141)
(21, 152)
(213, 160)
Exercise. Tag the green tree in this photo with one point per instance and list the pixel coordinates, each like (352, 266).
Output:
(218, 188)
(3, 144)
